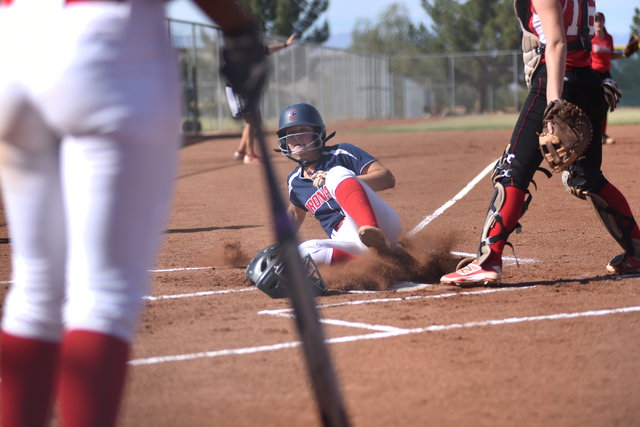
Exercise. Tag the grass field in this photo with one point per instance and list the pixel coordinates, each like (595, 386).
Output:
(622, 116)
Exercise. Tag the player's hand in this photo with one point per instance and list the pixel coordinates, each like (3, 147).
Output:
(291, 40)
(319, 178)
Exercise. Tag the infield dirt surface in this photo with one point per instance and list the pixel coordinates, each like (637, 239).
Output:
(556, 345)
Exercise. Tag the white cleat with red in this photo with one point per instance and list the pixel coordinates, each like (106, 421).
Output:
(623, 264)
(474, 275)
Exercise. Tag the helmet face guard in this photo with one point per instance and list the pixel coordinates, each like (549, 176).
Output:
(302, 141)
(266, 271)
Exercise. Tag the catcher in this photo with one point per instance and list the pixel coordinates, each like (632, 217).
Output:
(557, 69)
(602, 53)
(337, 185)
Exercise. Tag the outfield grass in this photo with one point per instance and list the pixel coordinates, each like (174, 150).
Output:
(622, 116)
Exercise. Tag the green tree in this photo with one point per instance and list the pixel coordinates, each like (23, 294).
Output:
(635, 26)
(475, 25)
(285, 17)
(393, 35)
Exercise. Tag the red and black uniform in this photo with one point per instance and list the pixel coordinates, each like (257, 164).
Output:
(601, 50)
(581, 87)
(523, 156)
(601, 64)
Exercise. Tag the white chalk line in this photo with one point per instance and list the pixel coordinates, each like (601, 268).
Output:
(198, 294)
(392, 333)
(451, 202)
(285, 311)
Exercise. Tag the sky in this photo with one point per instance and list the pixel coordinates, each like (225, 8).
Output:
(343, 14)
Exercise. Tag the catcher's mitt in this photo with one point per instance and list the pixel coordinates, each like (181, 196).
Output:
(612, 93)
(571, 132)
(632, 46)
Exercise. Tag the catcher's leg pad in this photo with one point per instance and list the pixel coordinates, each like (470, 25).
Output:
(612, 220)
(493, 217)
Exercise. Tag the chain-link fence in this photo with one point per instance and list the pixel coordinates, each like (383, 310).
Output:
(465, 82)
(341, 84)
(345, 84)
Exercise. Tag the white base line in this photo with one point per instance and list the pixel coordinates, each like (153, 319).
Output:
(393, 333)
(198, 294)
(284, 311)
(451, 202)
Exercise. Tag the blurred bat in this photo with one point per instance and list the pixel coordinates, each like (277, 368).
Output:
(313, 342)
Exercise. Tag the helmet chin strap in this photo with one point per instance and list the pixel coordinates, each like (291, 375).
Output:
(305, 163)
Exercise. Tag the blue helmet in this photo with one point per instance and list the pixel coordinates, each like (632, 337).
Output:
(301, 115)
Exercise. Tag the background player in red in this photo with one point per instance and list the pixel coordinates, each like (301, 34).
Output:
(602, 54)
(89, 120)
(337, 185)
(237, 104)
(556, 45)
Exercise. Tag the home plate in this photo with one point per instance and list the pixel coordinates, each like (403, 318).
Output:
(408, 286)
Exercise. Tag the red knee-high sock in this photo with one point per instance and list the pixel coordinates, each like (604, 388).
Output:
(510, 212)
(353, 199)
(92, 373)
(340, 257)
(616, 200)
(27, 369)
(604, 124)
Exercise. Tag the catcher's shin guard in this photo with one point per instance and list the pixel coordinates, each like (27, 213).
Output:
(612, 220)
(583, 183)
(493, 217)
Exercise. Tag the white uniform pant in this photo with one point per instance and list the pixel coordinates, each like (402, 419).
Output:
(346, 238)
(89, 120)
(238, 103)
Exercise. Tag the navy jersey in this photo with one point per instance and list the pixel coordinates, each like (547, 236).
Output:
(318, 201)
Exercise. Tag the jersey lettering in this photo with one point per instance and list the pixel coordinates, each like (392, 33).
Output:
(573, 29)
(318, 198)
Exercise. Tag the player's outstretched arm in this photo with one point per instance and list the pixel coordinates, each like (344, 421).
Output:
(273, 48)
(377, 177)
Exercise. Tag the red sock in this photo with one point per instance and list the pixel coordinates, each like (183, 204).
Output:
(92, 374)
(604, 124)
(510, 212)
(353, 199)
(340, 257)
(616, 200)
(27, 369)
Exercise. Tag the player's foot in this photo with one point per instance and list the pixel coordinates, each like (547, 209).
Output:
(252, 160)
(238, 155)
(623, 264)
(375, 239)
(607, 139)
(474, 275)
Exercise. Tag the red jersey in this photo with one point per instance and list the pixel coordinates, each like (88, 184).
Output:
(601, 50)
(571, 14)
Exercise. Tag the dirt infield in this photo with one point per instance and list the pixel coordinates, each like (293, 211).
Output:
(557, 345)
